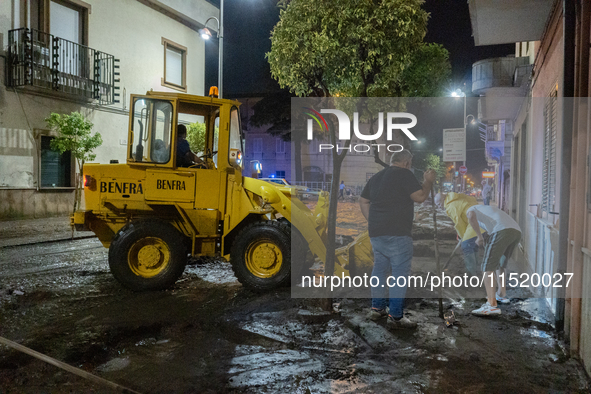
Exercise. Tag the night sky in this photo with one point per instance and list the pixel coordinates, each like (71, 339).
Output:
(247, 27)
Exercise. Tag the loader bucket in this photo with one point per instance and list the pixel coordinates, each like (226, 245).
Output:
(356, 258)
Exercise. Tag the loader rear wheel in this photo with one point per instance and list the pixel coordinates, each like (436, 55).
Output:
(147, 255)
(261, 255)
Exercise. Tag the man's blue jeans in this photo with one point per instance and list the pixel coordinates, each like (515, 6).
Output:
(392, 257)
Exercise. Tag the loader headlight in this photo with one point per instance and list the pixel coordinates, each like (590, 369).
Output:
(90, 182)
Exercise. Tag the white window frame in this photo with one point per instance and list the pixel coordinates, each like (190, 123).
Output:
(183, 87)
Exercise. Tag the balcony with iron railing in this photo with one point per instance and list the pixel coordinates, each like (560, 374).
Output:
(48, 62)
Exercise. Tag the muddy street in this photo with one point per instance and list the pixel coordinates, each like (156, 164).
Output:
(209, 334)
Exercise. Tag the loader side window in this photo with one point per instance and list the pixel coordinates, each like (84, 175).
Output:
(160, 145)
(216, 139)
(235, 131)
(151, 126)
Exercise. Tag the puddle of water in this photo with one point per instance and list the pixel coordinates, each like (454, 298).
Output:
(537, 310)
(273, 325)
(268, 368)
(539, 334)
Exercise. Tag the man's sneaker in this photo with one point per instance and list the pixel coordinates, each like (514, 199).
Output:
(377, 314)
(502, 300)
(400, 324)
(486, 310)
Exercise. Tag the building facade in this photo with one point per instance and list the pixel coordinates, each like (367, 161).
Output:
(276, 152)
(87, 56)
(550, 193)
(273, 152)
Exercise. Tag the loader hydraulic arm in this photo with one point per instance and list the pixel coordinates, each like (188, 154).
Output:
(310, 224)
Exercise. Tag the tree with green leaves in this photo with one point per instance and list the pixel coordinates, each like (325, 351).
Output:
(434, 162)
(196, 136)
(74, 135)
(351, 48)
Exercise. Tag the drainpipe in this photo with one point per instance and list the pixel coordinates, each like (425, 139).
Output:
(568, 91)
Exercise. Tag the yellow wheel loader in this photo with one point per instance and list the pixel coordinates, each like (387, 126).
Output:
(152, 213)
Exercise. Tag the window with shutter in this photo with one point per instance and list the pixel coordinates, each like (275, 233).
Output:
(55, 168)
(175, 65)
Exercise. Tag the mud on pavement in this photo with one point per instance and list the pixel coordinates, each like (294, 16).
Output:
(208, 334)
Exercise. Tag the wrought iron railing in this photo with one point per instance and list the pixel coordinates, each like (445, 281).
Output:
(39, 59)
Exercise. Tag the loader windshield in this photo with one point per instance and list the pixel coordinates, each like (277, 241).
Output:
(202, 121)
(151, 131)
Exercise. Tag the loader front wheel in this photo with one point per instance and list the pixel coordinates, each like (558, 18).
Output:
(261, 255)
(147, 255)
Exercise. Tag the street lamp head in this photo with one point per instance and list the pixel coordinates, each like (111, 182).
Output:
(458, 93)
(205, 33)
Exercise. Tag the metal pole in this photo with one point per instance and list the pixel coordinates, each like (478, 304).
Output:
(465, 138)
(436, 249)
(451, 255)
(221, 52)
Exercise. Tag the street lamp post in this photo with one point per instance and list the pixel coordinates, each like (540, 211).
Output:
(206, 35)
(460, 93)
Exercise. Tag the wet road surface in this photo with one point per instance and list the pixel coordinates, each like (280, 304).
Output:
(208, 334)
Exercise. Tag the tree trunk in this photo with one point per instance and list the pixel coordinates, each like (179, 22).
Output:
(436, 249)
(332, 213)
(78, 187)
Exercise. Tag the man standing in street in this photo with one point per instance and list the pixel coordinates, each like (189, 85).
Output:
(387, 202)
(342, 190)
(504, 234)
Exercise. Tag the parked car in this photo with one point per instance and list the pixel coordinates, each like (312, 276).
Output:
(302, 191)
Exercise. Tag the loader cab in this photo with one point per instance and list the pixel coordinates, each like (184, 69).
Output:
(213, 127)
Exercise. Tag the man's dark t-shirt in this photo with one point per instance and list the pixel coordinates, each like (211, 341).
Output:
(182, 149)
(391, 210)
